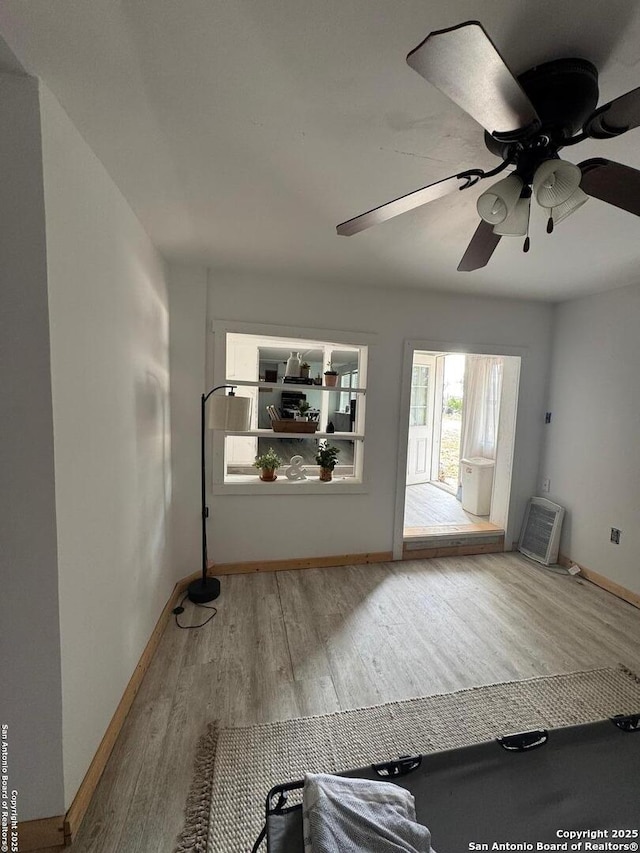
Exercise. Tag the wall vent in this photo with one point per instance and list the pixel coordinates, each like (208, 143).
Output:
(540, 535)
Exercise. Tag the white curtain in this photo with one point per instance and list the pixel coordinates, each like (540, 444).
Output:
(481, 406)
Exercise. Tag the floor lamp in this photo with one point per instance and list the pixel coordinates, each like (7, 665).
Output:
(226, 412)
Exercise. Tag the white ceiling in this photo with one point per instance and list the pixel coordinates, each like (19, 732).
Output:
(243, 131)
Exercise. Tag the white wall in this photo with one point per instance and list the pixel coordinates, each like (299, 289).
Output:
(108, 308)
(591, 454)
(279, 526)
(187, 336)
(30, 692)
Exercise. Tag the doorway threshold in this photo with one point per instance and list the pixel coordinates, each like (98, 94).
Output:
(450, 529)
(452, 540)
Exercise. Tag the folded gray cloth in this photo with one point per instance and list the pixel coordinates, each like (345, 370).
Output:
(340, 814)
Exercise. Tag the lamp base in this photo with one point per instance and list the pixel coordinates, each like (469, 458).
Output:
(202, 590)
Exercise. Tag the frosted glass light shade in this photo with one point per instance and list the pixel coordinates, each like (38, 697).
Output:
(517, 222)
(569, 206)
(495, 204)
(555, 181)
(230, 413)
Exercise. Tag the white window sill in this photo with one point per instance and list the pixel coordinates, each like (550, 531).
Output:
(250, 484)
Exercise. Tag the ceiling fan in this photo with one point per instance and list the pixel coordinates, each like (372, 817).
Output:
(527, 120)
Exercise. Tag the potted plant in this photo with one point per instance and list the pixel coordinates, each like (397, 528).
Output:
(268, 463)
(305, 367)
(326, 457)
(330, 377)
(303, 410)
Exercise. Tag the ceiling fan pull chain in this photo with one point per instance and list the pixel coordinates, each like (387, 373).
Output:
(550, 222)
(527, 242)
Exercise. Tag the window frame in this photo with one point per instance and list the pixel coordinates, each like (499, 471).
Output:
(218, 481)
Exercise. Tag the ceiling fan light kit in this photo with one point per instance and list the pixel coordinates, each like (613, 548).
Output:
(496, 203)
(561, 211)
(517, 222)
(527, 120)
(555, 181)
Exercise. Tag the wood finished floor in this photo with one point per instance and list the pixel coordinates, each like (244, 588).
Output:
(427, 505)
(295, 643)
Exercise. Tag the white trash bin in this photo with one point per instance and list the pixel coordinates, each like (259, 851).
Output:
(477, 483)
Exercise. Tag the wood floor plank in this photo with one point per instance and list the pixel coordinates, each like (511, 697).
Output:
(552, 597)
(354, 683)
(144, 794)
(157, 816)
(316, 696)
(296, 643)
(427, 504)
(307, 654)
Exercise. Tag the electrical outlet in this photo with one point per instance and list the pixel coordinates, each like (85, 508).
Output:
(546, 485)
(547, 417)
(615, 535)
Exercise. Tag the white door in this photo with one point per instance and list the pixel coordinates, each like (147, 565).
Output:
(438, 404)
(421, 419)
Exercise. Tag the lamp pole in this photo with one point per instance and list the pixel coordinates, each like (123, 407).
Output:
(205, 588)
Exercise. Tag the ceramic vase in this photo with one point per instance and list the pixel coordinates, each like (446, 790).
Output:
(293, 365)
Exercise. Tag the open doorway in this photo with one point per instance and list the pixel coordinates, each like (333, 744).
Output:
(458, 459)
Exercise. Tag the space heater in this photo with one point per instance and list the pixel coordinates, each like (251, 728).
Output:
(540, 535)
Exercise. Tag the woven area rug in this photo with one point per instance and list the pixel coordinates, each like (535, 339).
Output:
(236, 768)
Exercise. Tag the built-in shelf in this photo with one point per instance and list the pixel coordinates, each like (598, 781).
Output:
(282, 480)
(264, 433)
(240, 484)
(293, 386)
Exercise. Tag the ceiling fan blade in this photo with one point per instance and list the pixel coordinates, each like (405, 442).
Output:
(614, 183)
(404, 203)
(465, 65)
(480, 249)
(616, 117)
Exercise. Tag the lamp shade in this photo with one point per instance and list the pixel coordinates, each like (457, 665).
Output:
(569, 206)
(230, 413)
(517, 222)
(496, 203)
(555, 181)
